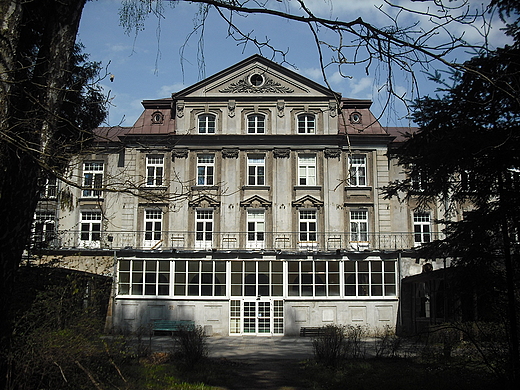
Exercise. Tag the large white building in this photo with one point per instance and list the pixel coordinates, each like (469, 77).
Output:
(249, 203)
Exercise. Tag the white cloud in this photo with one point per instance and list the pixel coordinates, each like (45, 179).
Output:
(360, 87)
(167, 90)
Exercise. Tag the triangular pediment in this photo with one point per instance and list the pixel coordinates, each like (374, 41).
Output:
(255, 76)
(204, 201)
(307, 202)
(256, 202)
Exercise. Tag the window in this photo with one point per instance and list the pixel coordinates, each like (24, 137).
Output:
(256, 124)
(204, 229)
(307, 170)
(307, 226)
(417, 179)
(199, 278)
(313, 278)
(207, 124)
(306, 124)
(256, 170)
(254, 278)
(255, 228)
(205, 169)
(358, 170)
(143, 277)
(154, 170)
(90, 226)
(44, 226)
(152, 228)
(50, 189)
(370, 278)
(92, 179)
(359, 226)
(421, 227)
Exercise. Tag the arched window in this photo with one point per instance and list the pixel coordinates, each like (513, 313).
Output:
(207, 123)
(306, 124)
(256, 124)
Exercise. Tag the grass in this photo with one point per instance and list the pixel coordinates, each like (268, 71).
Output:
(359, 374)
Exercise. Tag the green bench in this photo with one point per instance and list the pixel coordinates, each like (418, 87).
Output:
(172, 326)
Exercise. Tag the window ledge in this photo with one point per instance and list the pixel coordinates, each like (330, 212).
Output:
(358, 188)
(307, 188)
(256, 188)
(153, 188)
(200, 188)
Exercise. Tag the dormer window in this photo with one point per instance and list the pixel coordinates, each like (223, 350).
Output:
(355, 117)
(207, 123)
(157, 117)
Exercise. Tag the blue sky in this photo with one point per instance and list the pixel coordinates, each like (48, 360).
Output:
(149, 65)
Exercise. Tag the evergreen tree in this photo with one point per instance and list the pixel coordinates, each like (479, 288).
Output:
(466, 155)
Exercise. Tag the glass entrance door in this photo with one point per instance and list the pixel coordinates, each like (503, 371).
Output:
(256, 317)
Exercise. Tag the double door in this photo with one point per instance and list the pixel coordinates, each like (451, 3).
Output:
(256, 317)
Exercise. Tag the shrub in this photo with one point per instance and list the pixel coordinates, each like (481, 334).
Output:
(330, 347)
(190, 346)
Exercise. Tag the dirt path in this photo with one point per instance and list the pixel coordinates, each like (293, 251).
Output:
(265, 374)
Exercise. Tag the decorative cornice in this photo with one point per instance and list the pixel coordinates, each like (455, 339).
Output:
(230, 153)
(307, 202)
(332, 153)
(281, 153)
(256, 202)
(243, 86)
(180, 153)
(204, 201)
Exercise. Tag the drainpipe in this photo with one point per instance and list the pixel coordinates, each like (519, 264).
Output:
(399, 301)
(109, 320)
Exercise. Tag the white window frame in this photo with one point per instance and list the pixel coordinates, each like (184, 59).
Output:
(359, 229)
(92, 179)
(154, 170)
(205, 169)
(50, 189)
(255, 229)
(255, 170)
(256, 124)
(153, 220)
(306, 123)
(358, 170)
(422, 230)
(204, 226)
(206, 123)
(307, 228)
(307, 170)
(91, 227)
(44, 226)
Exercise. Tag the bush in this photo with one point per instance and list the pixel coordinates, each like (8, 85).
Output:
(330, 348)
(190, 346)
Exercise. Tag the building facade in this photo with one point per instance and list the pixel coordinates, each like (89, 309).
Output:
(249, 202)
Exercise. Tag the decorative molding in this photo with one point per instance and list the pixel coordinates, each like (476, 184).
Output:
(180, 153)
(280, 105)
(332, 153)
(244, 86)
(180, 108)
(256, 202)
(231, 108)
(333, 109)
(204, 201)
(282, 153)
(230, 153)
(307, 202)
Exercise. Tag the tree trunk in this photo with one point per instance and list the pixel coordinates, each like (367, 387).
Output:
(36, 42)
